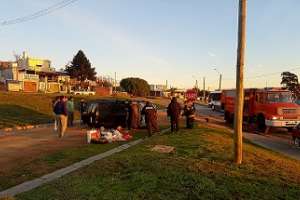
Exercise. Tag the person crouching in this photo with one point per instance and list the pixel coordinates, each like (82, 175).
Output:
(189, 113)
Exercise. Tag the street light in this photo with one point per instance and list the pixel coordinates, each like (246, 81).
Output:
(220, 78)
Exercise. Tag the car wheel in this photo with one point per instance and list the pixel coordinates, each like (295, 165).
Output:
(297, 142)
(290, 129)
(213, 107)
(261, 125)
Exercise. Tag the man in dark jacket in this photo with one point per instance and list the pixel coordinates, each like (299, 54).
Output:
(174, 110)
(134, 116)
(151, 118)
(61, 113)
(189, 113)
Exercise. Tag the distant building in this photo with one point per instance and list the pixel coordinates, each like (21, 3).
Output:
(157, 90)
(32, 75)
(34, 64)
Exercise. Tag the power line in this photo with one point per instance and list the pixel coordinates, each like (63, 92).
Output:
(38, 14)
(255, 77)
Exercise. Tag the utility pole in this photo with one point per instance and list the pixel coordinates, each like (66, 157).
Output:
(238, 116)
(115, 82)
(204, 89)
(196, 84)
(220, 82)
(220, 78)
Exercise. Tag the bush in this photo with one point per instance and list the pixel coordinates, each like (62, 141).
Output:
(135, 86)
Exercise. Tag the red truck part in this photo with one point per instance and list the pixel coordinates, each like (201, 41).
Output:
(269, 107)
(191, 95)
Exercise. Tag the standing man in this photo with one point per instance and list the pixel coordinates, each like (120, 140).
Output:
(70, 109)
(134, 115)
(151, 118)
(61, 116)
(83, 107)
(189, 113)
(173, 111)
(54, 102)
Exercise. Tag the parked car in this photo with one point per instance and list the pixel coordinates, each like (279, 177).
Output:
(214, 100)
(107, 113)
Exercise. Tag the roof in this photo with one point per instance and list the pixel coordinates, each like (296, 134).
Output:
(5, 64)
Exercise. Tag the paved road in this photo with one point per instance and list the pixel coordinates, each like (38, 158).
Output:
(273, 142)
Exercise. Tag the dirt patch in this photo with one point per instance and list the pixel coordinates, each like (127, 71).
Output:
(163, 149)
(23, 148)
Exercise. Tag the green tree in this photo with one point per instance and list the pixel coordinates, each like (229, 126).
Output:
(290, 82)
(80, 68)
(135, 86)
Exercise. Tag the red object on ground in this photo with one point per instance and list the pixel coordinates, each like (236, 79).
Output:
(95, 136)
(127, 136)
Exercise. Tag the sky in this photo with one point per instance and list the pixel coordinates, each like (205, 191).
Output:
(176, 40)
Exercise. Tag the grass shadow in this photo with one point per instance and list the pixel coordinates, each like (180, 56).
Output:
(15, 115)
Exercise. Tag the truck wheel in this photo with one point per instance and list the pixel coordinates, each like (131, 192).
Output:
(290, 129)
(228, 118)
(261, 125)
(297, 142)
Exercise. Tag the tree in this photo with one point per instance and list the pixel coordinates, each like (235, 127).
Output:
(135, 86)
(80, 68)
(290, 82)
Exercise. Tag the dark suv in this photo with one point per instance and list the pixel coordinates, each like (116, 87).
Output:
(107, 113)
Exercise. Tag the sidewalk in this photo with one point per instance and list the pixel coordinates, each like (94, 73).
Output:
(274, 143)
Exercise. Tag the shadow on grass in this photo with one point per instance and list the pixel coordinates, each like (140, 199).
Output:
(15, 115)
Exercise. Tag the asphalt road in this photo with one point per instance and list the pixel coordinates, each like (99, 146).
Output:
(271, 141)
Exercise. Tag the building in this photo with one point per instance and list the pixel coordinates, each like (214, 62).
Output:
(157, 90)
(29, 74)
(34, 64)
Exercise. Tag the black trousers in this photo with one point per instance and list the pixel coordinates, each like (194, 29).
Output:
(174, 124)
(70, 119)
(189, 122)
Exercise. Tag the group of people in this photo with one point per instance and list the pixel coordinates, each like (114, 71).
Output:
(174, 111)
(63, 109)
(136, 114)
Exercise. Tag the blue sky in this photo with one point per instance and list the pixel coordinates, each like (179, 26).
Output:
(159, 40)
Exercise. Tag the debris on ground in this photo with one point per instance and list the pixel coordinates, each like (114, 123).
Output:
(163, 149)
(107, 136)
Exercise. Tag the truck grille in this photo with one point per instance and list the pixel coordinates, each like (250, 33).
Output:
(289, 111)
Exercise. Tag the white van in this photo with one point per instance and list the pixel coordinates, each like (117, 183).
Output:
(214, 100)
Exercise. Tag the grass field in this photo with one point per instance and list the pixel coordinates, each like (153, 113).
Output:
(24, 108)
(200, 168)
(57, 160)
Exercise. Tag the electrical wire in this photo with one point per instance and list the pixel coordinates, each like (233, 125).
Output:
(38, 14)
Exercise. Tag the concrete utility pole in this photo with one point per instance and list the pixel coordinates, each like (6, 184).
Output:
(238, 116)
(115, 82)
(204, 89)
(220, 82)
(220, 79)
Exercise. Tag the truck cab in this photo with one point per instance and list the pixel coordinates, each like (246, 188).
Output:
(268, 107)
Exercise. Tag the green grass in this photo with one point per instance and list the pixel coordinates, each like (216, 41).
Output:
(200, 168)
(57, 160)
(26, 108)
(14, 115)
